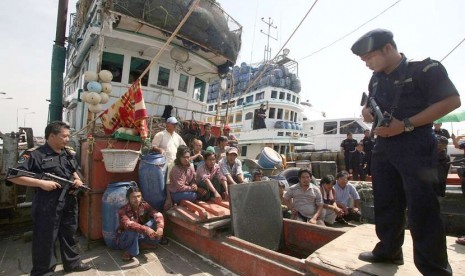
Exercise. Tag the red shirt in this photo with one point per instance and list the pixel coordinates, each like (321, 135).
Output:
(134, 220)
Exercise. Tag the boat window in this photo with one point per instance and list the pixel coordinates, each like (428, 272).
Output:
(183, 82)
(330, 127)
(210, 108)
(271, 113)
(274, 94)
(297, 100)
(244, 151)
(238, 117)
(281, 95)
(138, 66)
(292, 116)
(293, 98)
(240, 101)
(280, 113)
(199, 89)
(249, 116)
(260, 96)
(163, 76)
(231, 119)
(114, 64)
(286, 115)
(249, 99)
(224, 105)
(280, 133)
(351, 126)
(288, 97)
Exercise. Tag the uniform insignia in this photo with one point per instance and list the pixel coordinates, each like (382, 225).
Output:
(427, 67)
(23, 158)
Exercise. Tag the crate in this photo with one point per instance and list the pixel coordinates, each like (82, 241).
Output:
(120, 160)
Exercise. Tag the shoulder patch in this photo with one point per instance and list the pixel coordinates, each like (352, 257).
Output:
(427, 67)
(23, 158)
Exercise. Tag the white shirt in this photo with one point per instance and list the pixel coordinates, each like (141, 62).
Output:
(169, 143)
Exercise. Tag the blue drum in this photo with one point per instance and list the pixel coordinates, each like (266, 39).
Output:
(269, 158)
(152, 181)
(113, 198)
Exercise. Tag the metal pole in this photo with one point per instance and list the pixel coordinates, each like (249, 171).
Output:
(58, 64)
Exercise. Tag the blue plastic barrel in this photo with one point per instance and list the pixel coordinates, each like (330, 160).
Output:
(269, 158)
(151, 179)
(293, 126)
(279, 124)
(287, 125)
(113, 198)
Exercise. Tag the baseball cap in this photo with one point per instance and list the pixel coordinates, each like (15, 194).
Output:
(232, 150)
(171, 120)
(372, 41)
(210, 149)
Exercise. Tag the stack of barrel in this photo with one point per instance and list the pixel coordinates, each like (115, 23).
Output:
(321, 163)
(261, 76)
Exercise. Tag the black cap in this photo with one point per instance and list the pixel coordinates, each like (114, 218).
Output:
(372, 41)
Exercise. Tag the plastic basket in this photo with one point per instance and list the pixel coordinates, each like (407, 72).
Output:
(120, 160)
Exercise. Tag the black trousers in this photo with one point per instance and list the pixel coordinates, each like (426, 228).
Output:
(53, 220)
(403, 175)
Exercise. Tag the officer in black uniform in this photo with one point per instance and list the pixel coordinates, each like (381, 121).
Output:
(53, 219)
(403, 161)
(347, 146)
(368, 144)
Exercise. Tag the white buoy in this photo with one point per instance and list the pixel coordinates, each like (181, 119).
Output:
(90, 76)
(93, 98)
(104, 98)
(105, 76)
(106, 87)
(95, 108)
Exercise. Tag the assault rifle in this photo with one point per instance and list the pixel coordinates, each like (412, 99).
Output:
(64, 183)
(381, 119)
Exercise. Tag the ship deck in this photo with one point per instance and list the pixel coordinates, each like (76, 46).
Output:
(171, 259)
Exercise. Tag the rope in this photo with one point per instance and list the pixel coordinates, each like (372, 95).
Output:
(173, 35)
(453, 49)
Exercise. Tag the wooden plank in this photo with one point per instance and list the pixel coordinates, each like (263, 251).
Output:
(341, 255)
(193, 217)
(195, 209)
(214, 208)
(223, 203)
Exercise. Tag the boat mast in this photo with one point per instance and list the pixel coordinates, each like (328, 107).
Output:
(55, 111)
(267, 53)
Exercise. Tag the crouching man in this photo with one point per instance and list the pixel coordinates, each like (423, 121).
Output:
(141, 226)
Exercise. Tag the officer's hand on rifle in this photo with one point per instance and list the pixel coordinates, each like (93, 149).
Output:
(367, 114)
(395, 127)
(77, 183)
(48, 185)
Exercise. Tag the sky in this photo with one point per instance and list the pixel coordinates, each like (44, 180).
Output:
(332, 79)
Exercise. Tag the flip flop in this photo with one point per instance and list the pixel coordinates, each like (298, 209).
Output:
(126, 256)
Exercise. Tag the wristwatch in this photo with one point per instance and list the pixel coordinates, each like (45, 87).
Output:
(408, 127)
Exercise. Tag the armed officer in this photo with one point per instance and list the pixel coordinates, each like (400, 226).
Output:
(53, 219)
(404, 155)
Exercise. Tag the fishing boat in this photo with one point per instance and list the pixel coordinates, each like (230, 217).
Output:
(261, 104)
(124, 37)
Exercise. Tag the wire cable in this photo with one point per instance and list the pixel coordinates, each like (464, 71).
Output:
(353, 31)
(456, 46)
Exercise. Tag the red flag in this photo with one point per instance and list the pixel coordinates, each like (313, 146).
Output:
(129, 111)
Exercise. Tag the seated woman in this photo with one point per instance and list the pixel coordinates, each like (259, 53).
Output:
(211, 182)
(182, 177)
(330, 210)
(141, 226)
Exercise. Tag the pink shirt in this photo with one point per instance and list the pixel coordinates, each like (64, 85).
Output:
(181, 179)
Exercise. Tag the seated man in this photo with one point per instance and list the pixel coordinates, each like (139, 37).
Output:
(182, 178)
(345, 193)
(330, 209)
(257, 175)
(222, 148)
(231, 167)
(304, 199)
(141, 226)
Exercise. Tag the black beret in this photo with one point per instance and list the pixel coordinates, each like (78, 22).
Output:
(372, 41)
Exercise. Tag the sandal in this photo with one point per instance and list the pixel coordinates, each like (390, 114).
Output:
(461, 240)
(126, 256)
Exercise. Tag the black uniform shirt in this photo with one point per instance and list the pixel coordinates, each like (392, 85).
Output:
(348, 145)
(45, 160)
(426, 82)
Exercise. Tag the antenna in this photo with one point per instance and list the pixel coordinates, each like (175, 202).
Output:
(267, 52)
